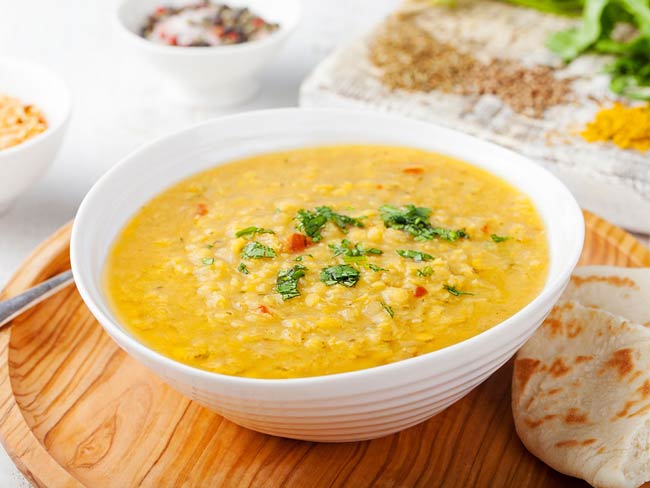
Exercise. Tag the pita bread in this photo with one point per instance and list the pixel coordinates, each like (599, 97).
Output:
(621, 291)
(581, 395)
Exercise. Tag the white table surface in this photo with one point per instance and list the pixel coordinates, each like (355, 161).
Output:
(118, 104)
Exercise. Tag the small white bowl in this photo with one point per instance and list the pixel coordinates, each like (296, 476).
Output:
(22, 165)
(341, 407)
(210, 76)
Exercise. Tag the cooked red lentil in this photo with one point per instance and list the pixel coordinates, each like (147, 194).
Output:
(323, 260)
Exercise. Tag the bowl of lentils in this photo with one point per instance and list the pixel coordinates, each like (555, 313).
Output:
(209, 52)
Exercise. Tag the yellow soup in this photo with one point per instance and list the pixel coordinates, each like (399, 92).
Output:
(323, 260)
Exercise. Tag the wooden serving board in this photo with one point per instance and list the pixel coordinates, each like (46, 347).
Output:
(77, 411)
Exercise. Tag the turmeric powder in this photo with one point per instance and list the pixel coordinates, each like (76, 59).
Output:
(627, 127)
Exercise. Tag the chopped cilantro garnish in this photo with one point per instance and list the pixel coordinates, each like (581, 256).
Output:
(376, 268)
(251, 231)
(426, 271)
(345, 248)
(242, 268)
(340, 220)
(455, 291)
(415, 221)
(416, 256)
(287, 281)
(497, 238)
(312, 222)
(302, 258)
(207, 261)
(388, 309)
(353, 254)
(255, 250)
(342, 274)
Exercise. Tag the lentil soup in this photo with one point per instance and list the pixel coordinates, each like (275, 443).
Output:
(324, 260)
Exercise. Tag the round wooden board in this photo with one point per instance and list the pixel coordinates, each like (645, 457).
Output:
(77, 411)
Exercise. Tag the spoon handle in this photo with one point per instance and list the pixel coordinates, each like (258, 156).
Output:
(11, 308)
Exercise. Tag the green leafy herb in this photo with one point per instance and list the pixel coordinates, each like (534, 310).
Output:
(255, 250)
(302, 258)
(497, 238)
(346, 248)
(415, 221)
(341, 274)
(630, 72)
(426, 271)
(455, 291)
(562, 7)
(312, 222)
(242, 268)
(207, 261)
(388, 309)
(340, 220)
(251, 231)
(375, 268)
(416, 256)
(287, 281)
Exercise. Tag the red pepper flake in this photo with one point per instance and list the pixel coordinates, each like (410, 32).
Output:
(257, 22)
(201, 209)
(161, 10)
(263, 309)
(413, 171)
(232, 36)
(420, 291)
(298, 242)
(173, 41)
(379, 187)
(485, 229)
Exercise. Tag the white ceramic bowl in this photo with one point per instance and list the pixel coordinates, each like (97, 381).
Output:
(22, 165)
(341, 407)
(213, 76)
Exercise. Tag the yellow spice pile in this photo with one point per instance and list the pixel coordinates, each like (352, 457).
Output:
(627, 127)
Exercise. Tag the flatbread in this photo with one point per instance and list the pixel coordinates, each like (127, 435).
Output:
(581, 395)
(621, 291)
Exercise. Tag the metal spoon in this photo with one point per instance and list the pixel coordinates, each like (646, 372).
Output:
(11, 308)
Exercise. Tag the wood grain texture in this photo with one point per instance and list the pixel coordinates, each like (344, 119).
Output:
(77, 411)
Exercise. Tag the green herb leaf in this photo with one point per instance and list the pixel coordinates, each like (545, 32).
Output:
(455, 291)
(375, 268)
(340, 220)
(242, 268)
(569, 44)
(497, 238)
(287, 281)
(345, 248)
(416, 256)
(415, 221)
(341, 274)
(388, 309)
(255, 250)
(302, 258)
(207, 261)
(426, 271)
(251, 231)
(312, 222)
